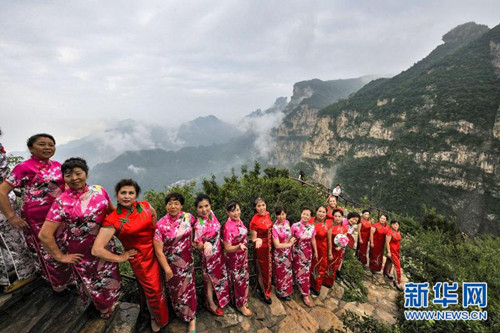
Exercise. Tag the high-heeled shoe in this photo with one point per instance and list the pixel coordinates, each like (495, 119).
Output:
(397, 287)
(390, 277)
(217, 312)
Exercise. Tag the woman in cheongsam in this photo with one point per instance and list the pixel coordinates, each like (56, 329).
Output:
(42, 181)
(235, 246)
(392, 245)
(364, 236)
(172, 242)
(377, 243)
(208, 241)
(14, 254)
(82, 208)
(282, 256)
(318, 268)
(304, 250)
(260, 234)
(133, 222)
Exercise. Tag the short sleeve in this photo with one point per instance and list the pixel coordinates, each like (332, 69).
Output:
(198, 231)
(159, 235)
(18, 176)
(105, 194)
(253, 223)
(56, 212)
(109, 221)
(227, 235)
(313, 233)
(274, 233)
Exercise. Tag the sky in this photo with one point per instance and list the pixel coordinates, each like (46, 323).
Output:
(73, 67)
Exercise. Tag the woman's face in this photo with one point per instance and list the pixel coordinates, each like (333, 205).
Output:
(260, 208)
(126, 196)
(366, 215)
(43, 148)
(306, 215)
(353, 221)
(203, 208)
(173, 207)
(281, 217)
(395, 226)
(382, 219)
(75, 178)
(332, 202)
(321, 213)
(337, 218)
(235, 213)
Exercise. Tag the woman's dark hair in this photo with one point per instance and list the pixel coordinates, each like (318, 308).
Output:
(127, 182)
(75, 162)
(200, 197)
(256, 201)
(366, 211)
(338, 210)
(320, 206)
(174, 196)
(353, 214)
(35, 137)
(231, 205)
(386, 216)
(306, 208)
(394, 221)
(279, 209)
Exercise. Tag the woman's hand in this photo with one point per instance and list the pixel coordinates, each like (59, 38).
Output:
(168, 273)
(128, 255)
(293, 240)
(198, 245)
(360, 241)
(315, 255)
(371, 245)
(388, 255)
(243, 247)
(338, 248)
(207, 249)
(330, 256)
(18, 222)
(72, 258)
(258, 243)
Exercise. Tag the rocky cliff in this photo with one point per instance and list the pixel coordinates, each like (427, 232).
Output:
(430, 135)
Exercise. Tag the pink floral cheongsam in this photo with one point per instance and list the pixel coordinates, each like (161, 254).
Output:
(207, 229)
(83, 213)
(175, 234)
(302, 254)
(282, 260)
(235, 233)
(42, 182)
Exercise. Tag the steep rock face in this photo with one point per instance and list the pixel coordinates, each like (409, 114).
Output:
(301, 114)
(429, 135)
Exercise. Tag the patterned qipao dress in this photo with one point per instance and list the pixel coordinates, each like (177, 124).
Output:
(282, 259)
(377, 251)
(14, 254)
(318, 268)
(207, 229)
(338, 256)
(235, 233)
(175, 234)
(43, 183)
(394, 246)
(83, 213)
(262, 224)
(302, 254)
(364, 234)
(134, 228)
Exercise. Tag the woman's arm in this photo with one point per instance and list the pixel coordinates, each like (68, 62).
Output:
(99, 248)
(387, 241)
(162, 260)
(111, 208)
(329, 245)
(228, 248)
(315, 249)
(154, 215)
(6, 208)
(372, 231)
(255, 239)
(46, 236)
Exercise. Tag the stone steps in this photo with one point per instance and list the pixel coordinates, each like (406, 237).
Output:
(35, 308)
